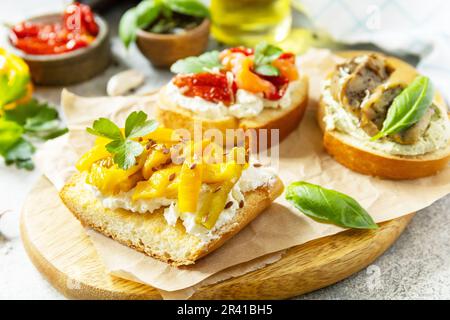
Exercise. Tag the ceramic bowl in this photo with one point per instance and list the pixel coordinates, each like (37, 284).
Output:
(70, 67)
(162, 50)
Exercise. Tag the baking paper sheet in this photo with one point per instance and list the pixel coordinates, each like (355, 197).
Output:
(302, 157)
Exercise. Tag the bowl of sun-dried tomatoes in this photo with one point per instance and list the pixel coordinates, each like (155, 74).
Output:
(63, 48)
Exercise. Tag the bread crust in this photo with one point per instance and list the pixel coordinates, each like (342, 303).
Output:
(285, 120)
(112, 223)
(370, 162)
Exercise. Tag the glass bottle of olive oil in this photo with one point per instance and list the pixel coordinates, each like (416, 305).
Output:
(247, 22)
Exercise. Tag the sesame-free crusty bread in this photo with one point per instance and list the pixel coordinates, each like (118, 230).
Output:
(286, 120)
(345, 149)
(150, 233)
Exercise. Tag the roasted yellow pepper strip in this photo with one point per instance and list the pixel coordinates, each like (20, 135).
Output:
(98, 152)
(189, 186)
(156, 158)
(213, 207)
(112, 180)
(220, 172)
(163, 135)
(163, 183)
(14, 79)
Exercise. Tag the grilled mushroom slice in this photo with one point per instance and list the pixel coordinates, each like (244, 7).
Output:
(358, 79)
(374, 109)
(412, 134)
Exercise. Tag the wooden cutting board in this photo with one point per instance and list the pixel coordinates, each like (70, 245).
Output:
(60, 249)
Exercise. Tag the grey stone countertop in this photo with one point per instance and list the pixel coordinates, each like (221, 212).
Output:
(417, 266)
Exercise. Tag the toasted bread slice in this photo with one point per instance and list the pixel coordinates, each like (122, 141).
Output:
(150, 233)
(368, 161)
(286, 120)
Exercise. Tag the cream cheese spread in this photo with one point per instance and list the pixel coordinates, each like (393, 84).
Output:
(247, 104)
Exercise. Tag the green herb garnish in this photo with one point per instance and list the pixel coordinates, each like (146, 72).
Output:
(30, 121)
(160, 16)
(408, 107)
(265, 54)
(328, 206)
(124, 149)
(203, 63)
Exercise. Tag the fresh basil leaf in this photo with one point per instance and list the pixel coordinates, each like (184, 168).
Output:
(105, 128)
(147, 12)
(267, 70)
(10, 133)
(266, 53)
(166, 11)
(188, 7)
(328, 206)
(128, 27)
(20, 155)
(408, 107)
(125, 152)
(203, 63)
(163, 25)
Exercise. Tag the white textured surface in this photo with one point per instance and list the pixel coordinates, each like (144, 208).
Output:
(417, 266)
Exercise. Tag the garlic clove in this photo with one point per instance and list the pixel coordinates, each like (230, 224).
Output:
(123, 82)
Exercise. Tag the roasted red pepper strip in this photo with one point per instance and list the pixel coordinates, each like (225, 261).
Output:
(77, 29)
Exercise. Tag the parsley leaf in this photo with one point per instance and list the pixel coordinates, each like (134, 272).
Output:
(264, 55)
(125, 152)
(203, 63)
(20, 155)
(38, 119)
(137, 126)
(123, 148)
(32, 119)
(105, 128)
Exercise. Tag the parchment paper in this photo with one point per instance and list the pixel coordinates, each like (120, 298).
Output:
(280, 227)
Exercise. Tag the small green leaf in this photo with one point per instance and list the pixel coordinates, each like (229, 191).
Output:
(188, 7)
(328, 206)
(203, 63)
(128, 27)
(136, 125)
(135, 119)
(408, 107)
(125, 152)
(147, 12)
(46, 119)
(25, 111)
(266, 53)
(267, 70)
(105, 128)
(20, 155)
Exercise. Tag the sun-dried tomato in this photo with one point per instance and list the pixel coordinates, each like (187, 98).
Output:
(209, 86)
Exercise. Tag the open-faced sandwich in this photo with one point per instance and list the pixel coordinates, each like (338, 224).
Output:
(381, 118)
(240, 87)
(171, 198)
